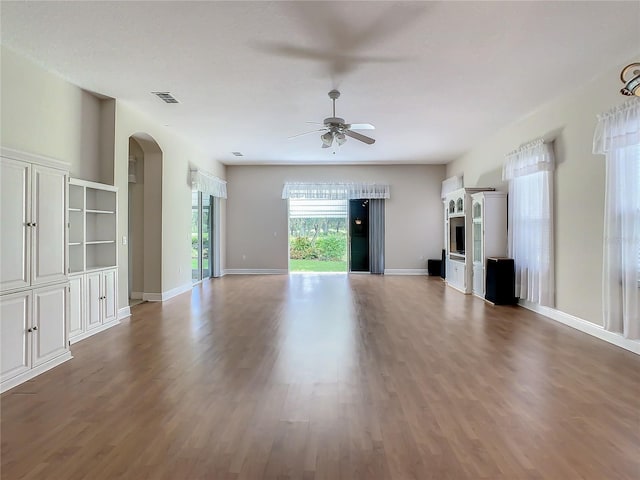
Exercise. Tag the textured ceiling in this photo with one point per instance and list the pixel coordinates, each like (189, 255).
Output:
(433, 77)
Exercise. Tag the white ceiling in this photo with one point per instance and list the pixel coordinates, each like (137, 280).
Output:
(433, 77)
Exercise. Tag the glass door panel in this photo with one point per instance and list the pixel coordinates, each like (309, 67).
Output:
(196, 244)
(206, 236)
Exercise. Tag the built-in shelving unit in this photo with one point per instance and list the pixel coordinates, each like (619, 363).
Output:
(93, 222)
(92, 226)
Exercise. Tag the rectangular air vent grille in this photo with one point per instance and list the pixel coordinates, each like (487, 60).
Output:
(237, 154)
(166, 97)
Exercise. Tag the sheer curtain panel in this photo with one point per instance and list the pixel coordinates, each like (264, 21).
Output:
(617, 136)
(529, 171)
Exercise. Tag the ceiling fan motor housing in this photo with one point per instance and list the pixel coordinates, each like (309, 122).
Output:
(334, 122)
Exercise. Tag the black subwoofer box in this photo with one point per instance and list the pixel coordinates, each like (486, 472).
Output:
(501, 288)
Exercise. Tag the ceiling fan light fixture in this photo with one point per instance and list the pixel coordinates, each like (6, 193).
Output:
(327, 139)
(340, 138)
(630, 76)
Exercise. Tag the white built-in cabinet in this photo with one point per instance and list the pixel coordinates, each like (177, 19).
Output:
(488, 235)
(92, 258)
(33, 266)
(458, 226)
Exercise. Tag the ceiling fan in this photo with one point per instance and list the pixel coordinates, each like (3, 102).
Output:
(336, 129)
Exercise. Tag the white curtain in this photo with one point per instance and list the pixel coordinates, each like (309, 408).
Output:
(334, 191)
(451, 184)
(618, 137)
(529, 171)
(210, 184)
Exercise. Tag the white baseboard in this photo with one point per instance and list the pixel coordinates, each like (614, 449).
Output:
(406, 271)
(34, 372)
(583, 325)
(124, 312)
(176, 291)
(256, 271)
(161, 297)
(93, 331)
(136, 295)
(152, 297)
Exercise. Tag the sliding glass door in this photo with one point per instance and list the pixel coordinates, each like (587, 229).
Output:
(200, 236)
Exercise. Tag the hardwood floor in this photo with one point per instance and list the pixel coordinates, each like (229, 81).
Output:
(329, 377)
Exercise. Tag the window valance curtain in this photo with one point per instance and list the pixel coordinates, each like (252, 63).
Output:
(451, 184)
(617, 136)
(335, 191)
(618, 128)
(532, 157)
(209, 184)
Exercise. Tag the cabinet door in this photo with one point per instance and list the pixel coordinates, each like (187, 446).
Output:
(94, 302)
(49, 335)
(15, 319)
(110, 307)
(15, 182)
(48, 214)
(76, 306)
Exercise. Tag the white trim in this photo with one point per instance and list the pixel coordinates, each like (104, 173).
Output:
(86, 183)
(256, 271)
(151, 297)
(176, 291)
(164, 296)
(406, 271)
(136, 295)
(124, 312)
(33, 158)
(93, 331)
(34, 372)
(583, 325)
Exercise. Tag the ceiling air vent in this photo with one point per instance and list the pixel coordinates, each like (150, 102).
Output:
(238, 154)
(166, 97)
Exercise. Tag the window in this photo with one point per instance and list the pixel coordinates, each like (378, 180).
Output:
(529, 171)
(618, 138)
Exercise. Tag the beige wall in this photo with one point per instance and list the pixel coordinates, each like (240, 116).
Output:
(46, 115)
(579, 185)
(43, 114)
(177, 158)
(257, 215)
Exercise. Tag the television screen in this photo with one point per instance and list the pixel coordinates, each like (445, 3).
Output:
(460, 238)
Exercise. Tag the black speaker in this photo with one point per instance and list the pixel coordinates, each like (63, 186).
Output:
(443, 264)
(434, 267)
(501, 288)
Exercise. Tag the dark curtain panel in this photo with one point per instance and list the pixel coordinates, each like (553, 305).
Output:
(376, 235)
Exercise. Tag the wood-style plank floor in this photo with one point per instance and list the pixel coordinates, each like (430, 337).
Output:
(329, 377)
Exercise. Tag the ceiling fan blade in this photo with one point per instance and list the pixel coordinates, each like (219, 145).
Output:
(314, 123)
(360, 126)
(359, 136)
(306, 133)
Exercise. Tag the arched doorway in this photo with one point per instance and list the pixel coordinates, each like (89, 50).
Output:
(145, 218)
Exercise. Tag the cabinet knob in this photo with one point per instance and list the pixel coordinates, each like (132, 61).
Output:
(35, 328)
(30, 330)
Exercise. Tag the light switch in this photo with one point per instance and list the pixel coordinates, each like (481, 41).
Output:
(124, 239)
